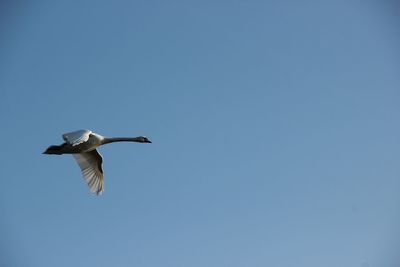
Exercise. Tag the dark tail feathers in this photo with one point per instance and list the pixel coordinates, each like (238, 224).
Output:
(53, 150)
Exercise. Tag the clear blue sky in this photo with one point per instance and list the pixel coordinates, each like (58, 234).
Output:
(275, 128)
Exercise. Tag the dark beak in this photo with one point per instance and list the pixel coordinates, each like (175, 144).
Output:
(148, 141)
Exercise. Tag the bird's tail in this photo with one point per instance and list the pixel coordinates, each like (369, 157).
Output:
(53, 150)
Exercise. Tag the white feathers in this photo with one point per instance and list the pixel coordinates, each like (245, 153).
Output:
(78, 137)
(90, 164)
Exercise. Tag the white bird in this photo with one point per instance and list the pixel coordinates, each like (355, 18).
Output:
(82, 145)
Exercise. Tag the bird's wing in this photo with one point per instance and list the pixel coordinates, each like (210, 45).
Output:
(76, 138)
(90, 164)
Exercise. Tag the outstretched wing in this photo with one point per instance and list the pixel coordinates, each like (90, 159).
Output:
(76, 138)
(90, 164)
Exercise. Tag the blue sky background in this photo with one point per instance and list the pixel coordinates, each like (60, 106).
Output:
(275, 127)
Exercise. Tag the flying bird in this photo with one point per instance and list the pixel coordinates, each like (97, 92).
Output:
(82, 145)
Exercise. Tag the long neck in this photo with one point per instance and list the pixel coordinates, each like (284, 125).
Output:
(108, 140)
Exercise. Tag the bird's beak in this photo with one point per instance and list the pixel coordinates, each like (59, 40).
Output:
(148, 141)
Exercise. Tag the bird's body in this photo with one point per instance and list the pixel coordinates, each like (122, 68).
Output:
(77, 142)
(82, 145)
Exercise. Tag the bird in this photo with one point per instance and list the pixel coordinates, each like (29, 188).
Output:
(82, 145)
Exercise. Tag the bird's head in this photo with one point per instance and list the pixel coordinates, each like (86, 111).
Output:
(143, 139)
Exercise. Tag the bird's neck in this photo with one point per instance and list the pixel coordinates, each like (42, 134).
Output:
(108, 140)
